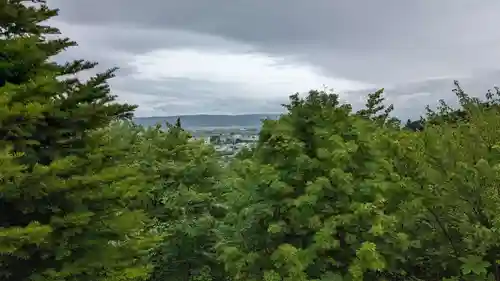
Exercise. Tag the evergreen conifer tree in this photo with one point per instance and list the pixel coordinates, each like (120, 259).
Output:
(68, 206)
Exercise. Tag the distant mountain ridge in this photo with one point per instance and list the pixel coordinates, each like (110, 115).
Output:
(206, 121)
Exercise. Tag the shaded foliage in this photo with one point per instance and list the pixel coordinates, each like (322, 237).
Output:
(184, 192)
(69, 207)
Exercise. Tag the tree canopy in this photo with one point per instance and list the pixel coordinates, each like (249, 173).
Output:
(69, 207)
(327, 193)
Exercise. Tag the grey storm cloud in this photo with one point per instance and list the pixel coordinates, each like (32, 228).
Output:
(405, 46)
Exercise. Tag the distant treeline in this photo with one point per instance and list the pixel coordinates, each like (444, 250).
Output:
(204, 121)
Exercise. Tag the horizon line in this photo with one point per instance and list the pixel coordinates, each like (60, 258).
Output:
(209, 114)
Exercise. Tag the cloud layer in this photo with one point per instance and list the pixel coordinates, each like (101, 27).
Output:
(185, 57)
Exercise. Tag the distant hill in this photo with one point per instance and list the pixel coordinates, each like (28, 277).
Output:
(205, 121)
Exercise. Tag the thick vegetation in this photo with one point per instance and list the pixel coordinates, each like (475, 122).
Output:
(326, 194)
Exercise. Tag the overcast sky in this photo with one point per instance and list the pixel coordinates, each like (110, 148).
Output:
(241, 56)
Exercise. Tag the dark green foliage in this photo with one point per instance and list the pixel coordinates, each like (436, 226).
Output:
(70, 208)
(331, 194)
(297, 208)
(184, 198)
(326, 193)
(417, 125)
(56, 117)
(72, 219)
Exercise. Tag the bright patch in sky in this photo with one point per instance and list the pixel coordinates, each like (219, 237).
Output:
(259, 74)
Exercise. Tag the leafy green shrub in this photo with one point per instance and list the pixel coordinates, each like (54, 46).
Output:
(332, 194)
(184, 192)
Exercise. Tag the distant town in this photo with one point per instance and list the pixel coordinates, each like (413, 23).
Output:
(227, 133)
(228, 141)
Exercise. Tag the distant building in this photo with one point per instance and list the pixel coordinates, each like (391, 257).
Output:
(250, 138)
(214, 139)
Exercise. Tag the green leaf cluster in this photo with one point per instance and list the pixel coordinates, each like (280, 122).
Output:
(332, 193)
(184, 188)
